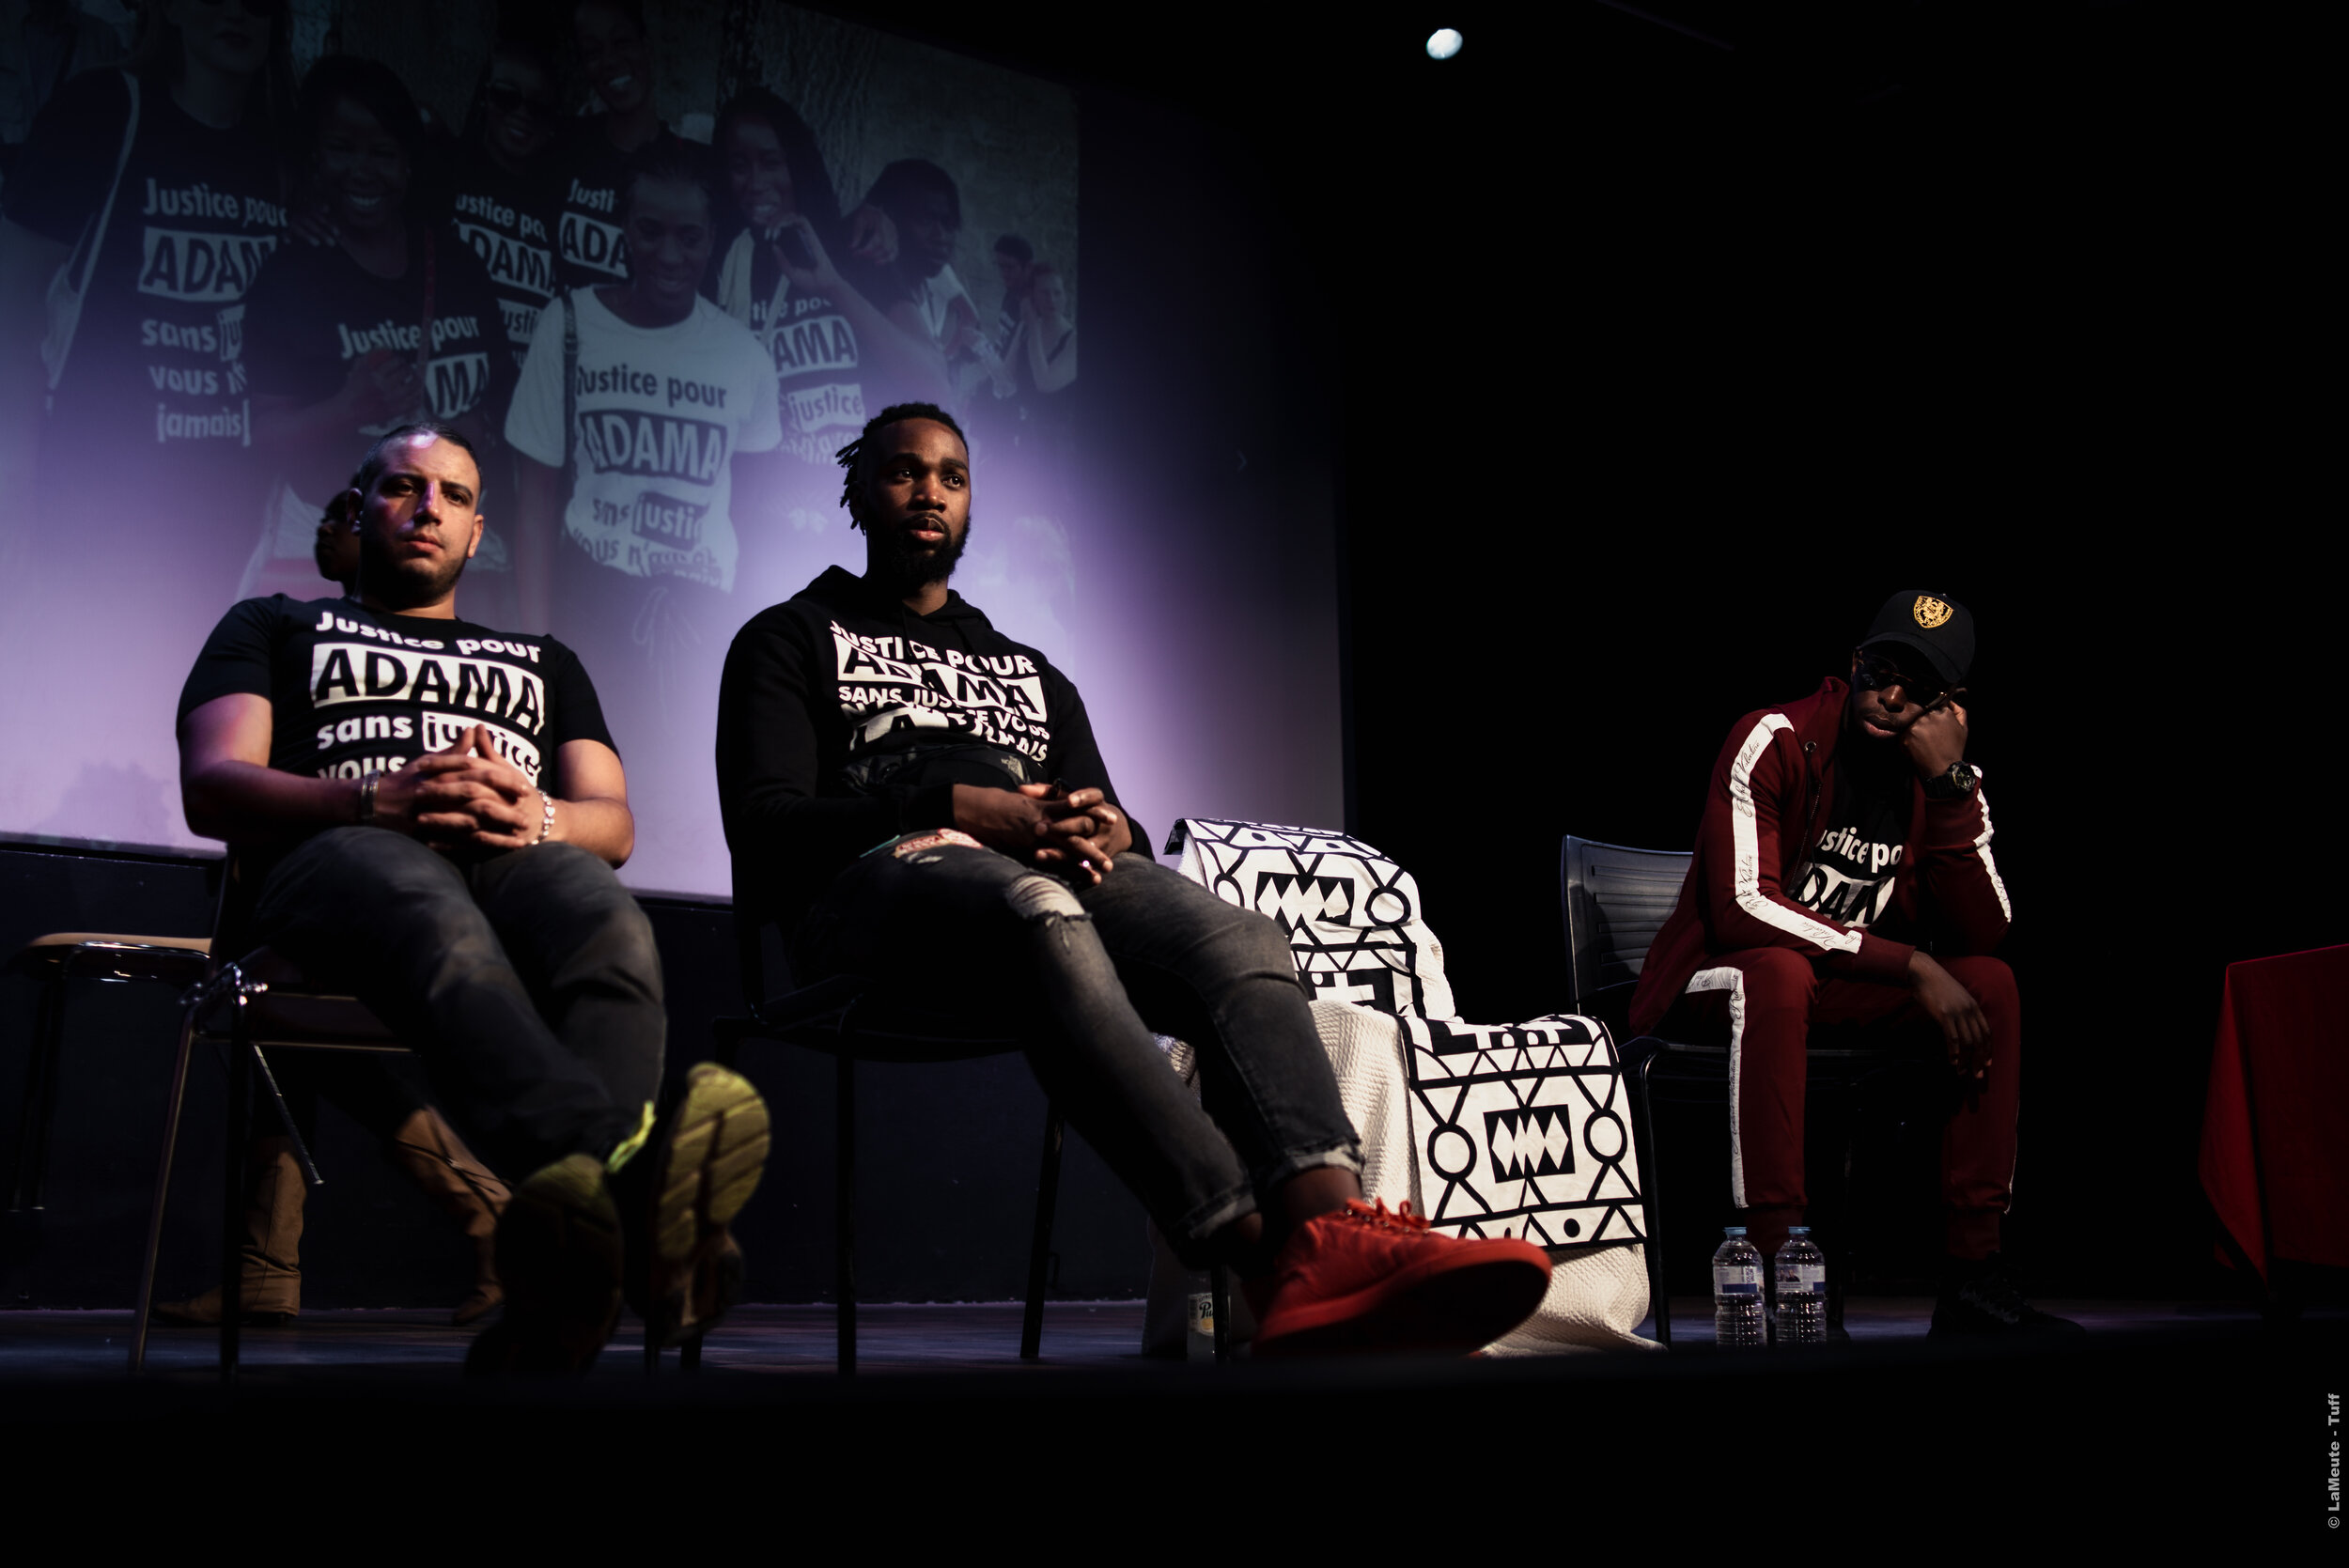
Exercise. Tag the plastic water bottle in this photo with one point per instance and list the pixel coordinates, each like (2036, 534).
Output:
(1737, 1292)
(1801, 1271)
(1199, 1321)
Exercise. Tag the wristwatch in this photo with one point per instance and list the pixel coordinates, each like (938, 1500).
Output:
(1955, 785)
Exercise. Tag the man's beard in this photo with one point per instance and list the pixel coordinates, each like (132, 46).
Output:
(911, 565)
(404, 584)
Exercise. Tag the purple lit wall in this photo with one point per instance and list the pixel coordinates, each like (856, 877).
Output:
(1168, 540)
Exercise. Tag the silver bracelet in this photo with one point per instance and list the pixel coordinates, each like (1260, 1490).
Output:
(546, 826)
(366, 799)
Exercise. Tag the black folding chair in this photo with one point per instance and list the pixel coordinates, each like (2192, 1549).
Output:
(848, 1019)
(1616, 898)
(267, 1003)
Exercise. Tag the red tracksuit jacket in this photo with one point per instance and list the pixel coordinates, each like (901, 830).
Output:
(1772, 789)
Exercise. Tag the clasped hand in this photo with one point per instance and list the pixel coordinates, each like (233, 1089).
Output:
(466, 794)
(1046, 825)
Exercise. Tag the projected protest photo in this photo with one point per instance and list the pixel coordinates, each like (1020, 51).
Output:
(657, 264)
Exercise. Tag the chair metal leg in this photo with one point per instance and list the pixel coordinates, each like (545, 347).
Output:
(1040, 1242)
(1652, 1202)
(233, 1192)
(310, 1176)
(844, 1219)
(40, 1095)
(1220, 1303)
(1839, 1260)
(163, 1190)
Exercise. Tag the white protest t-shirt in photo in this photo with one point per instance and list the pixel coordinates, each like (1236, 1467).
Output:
(662, 410)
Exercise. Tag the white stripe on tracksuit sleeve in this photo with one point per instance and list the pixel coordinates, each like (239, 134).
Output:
(1744, 837)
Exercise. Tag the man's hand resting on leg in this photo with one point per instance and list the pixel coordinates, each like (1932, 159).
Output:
(1954, 1007)
(1037, 824)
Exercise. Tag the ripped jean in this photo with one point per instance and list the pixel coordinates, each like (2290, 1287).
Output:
(1085, 975)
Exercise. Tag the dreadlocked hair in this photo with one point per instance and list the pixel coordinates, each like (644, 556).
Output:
(851, 457)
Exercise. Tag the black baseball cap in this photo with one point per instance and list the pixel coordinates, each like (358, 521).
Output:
(1933, 625)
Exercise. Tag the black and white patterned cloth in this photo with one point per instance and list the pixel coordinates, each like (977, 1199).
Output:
(1512, 1129)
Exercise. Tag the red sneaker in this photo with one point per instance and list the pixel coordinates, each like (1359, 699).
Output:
(1368, 1278)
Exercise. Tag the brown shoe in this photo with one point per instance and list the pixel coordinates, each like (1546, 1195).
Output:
(461, 1188)
(269, 1291)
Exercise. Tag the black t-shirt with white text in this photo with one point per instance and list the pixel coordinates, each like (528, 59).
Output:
(316, 310)
(509, 221)
(156, 371)
(353, 691)
(1849, 875)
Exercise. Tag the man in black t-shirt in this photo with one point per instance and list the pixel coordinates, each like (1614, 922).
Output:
(431, 811)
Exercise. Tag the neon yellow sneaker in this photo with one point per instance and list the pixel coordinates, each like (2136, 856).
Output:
(707, 1158)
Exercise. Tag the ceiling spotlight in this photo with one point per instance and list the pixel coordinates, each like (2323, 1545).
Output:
(1443, 43)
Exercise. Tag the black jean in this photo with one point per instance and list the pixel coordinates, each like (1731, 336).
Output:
(1086, 973)
(528, 982)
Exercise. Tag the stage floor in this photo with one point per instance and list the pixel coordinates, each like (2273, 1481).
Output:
(2164, 1406)
(900, 1339)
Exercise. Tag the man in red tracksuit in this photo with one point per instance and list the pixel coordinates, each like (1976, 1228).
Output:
(1828, 818)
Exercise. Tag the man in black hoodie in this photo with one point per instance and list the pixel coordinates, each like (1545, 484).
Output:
(892, 770)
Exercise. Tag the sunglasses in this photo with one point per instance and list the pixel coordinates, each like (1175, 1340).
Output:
(513, 101)
(1877, 672)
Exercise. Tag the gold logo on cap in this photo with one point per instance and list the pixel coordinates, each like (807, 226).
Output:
(1930, 612)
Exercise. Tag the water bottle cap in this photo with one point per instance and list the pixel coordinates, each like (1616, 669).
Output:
(1733, 1230)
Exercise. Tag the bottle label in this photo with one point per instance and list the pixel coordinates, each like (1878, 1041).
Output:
(1801, 1279)
(1737, 1278)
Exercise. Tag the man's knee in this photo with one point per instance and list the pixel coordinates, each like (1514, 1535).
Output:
(604, 917)
(626, 933)
(1034, 898)
(1776, 979)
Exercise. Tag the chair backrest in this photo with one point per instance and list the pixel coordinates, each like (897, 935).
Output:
(1616, 897)
(757, 939)
(1352, 915)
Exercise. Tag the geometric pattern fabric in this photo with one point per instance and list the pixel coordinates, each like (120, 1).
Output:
(1518, 1130)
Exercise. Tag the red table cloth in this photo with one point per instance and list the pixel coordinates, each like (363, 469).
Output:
(2276, 1126)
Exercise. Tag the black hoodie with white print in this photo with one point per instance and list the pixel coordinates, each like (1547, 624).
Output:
(846, 720)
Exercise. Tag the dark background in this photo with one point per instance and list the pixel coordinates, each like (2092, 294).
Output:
(1653, 362)
(2001, 303)
(1677, 338)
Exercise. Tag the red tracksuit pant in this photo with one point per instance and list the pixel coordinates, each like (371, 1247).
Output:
(1768, 998)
